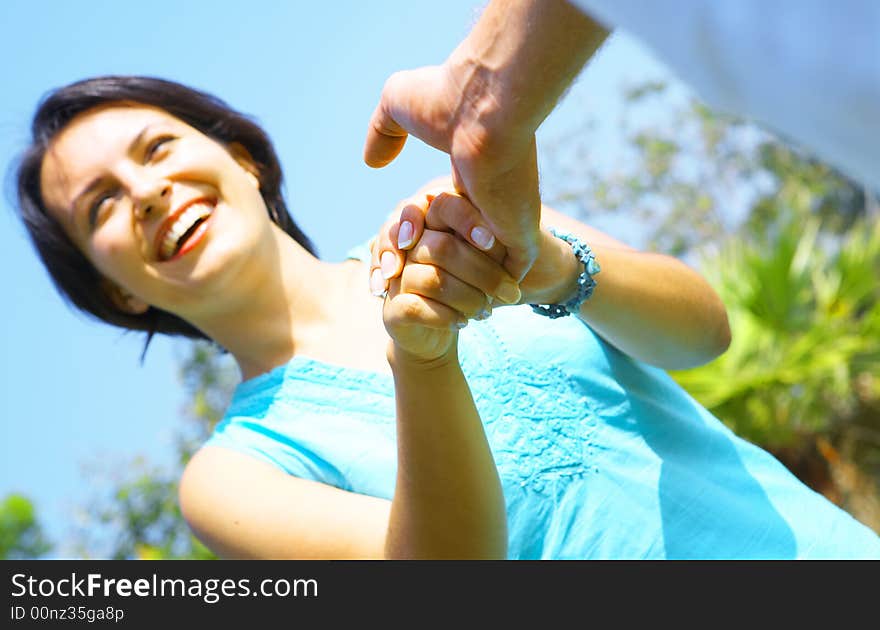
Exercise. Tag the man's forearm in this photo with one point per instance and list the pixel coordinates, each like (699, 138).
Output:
(520, 57)
(447, 501)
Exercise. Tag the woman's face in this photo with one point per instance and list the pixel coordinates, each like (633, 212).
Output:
(160, 209)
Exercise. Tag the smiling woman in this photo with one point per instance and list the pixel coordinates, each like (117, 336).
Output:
(61, 228)
(381, 424)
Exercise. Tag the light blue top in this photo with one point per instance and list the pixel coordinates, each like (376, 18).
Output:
(600, 456)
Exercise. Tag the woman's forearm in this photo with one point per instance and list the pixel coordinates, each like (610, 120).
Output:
(448, 501)
(657, 309)
(651, 306)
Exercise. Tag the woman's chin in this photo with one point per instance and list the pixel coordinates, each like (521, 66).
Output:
(221, 265)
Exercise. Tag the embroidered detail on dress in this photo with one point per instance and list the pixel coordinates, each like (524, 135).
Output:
(537, 421)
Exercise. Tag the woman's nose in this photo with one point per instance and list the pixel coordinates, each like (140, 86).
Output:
(152, 199)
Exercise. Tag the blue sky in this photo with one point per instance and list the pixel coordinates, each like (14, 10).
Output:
(73, 392)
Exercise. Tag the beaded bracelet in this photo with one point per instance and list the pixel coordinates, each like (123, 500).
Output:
(585, 280)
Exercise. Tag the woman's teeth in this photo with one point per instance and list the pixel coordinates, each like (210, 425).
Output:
(184, 225)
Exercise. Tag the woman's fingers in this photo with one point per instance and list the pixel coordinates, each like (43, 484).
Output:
(452, 212)
(413, 310)
(410, 225)
(378, 283)
(462, 261)
(439, 285)
(388, 249)
(441, 212)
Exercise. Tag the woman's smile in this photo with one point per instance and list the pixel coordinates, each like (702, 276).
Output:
(184, 229)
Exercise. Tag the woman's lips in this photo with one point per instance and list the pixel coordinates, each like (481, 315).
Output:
(176, 226)
(194, 239)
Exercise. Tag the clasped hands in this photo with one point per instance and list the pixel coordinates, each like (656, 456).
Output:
(436, 276)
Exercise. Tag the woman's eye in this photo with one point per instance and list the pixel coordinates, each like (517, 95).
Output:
(156, 144)
(100, 201)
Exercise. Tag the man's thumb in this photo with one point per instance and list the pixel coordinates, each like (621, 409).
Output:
(385, 136)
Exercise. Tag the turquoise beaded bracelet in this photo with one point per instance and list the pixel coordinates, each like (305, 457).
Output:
(585, 280)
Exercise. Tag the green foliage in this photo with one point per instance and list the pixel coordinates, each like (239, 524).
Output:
(21, 537)
(805, 331)
(801, 375)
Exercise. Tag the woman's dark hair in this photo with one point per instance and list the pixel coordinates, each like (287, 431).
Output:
(73, 275)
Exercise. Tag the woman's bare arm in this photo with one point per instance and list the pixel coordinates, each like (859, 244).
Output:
(651, 306)
(448, 501)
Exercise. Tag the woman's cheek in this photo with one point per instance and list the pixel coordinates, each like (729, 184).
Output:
(115, 253)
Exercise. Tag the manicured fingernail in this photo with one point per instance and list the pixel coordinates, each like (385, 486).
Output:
(484, 314)
(377, 283)
(509, 292)
(482, 237)
(404, 235)
(388, 263)
(461, 323)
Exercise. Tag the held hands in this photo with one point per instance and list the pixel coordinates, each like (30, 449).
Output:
(442, 284)
(437, 284)
(451, 222)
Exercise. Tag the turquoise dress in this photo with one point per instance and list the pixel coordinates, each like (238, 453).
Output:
(599, 455)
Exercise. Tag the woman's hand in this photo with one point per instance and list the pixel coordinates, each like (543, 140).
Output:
(650, 306)
(551, 279)
(443, 282)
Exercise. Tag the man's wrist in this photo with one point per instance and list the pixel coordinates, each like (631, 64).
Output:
(491, 122)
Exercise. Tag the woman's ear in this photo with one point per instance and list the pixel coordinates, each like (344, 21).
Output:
(123, 300)
(241, 155)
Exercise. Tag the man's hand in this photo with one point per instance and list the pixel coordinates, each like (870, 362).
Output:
(483, 106)
(498, 172)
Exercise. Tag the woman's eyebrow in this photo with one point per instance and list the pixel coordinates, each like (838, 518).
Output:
(95, 182)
